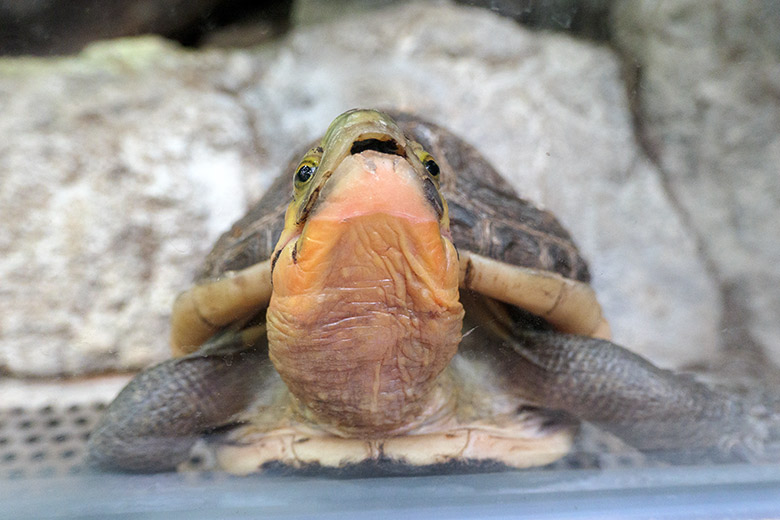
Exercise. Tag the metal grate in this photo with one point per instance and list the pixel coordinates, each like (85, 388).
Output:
(51, 441)
(43, 442)
(44, 426)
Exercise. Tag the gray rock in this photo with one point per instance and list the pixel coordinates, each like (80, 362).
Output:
(707, 98)
(118, 167)
(121, 166)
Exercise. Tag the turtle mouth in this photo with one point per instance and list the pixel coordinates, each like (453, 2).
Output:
(381, 144)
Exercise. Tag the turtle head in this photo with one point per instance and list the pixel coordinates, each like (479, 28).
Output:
(365, 312)
(350, 134)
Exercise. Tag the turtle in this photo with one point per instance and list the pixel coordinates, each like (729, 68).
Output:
(392, 302)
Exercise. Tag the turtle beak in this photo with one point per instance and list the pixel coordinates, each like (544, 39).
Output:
(352, 133)
(356, 131)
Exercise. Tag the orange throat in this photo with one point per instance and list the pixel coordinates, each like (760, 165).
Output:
(365, 316)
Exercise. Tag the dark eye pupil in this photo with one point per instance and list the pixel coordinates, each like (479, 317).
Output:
(304, 173)
(432, 167)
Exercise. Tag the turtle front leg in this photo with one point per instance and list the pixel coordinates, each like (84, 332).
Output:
(155, 420)
(655, 410)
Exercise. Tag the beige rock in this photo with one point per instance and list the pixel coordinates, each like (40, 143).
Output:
(121, 166)
(707, 99)
(118, 167)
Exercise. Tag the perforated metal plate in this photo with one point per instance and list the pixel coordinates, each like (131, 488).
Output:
(44, 427)
(51, 441)
(46, 441)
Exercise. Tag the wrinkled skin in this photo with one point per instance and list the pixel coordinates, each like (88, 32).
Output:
(156, 419)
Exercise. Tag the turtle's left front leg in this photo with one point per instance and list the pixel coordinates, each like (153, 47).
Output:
(156, 419)
(654, 410)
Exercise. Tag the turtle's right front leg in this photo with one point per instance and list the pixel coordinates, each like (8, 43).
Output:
(155, 420)
(655, 410)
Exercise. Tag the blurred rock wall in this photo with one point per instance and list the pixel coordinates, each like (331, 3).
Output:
(706, 80)
(120, 165)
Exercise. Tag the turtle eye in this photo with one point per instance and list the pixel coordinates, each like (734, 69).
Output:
(304, 174)
(428, 162)
(431, 166)
(305, 171)
(307, 167)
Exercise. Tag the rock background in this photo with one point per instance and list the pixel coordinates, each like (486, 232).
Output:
(121, 165)
(707, 99)
(118, 168)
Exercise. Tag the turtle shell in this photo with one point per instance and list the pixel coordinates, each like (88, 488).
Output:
(486, 215)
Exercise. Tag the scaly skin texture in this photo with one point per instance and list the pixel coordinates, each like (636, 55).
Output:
(155, 420)
(655, 410)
